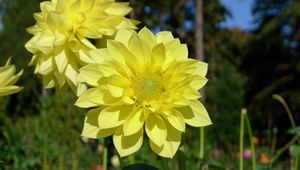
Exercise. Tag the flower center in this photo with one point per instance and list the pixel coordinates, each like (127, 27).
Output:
(147, 86)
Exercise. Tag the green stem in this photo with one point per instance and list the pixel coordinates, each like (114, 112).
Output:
(296, 162)
(2, 105)
(286, 107)
(242, 141)
(201, 143)
(251, 143)
(104, 161)
(164, 163)
(131, 159)
(284, 148)
(181, 158)
(121, 161)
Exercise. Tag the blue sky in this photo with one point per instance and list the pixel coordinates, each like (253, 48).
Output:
(241, 14)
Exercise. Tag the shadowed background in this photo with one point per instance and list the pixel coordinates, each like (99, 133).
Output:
(252, 47)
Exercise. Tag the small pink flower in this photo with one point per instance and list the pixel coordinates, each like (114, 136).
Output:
(247, 154)
(29, 142)
(216, 153)
(99, 167)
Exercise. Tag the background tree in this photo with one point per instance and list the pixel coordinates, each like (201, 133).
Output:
(271, 63)
(245, 69)
(17, 15)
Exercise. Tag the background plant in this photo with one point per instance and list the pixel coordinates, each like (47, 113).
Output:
(246, 68)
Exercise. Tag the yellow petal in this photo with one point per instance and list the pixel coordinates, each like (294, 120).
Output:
(169, 148)
(91, 127)
(123, 36)
(134, 122)
(191, 94)
(106, 132)
(87, 5)
(140, 49)
(186, 72)
(158, 56)
(73, 26)
(175, 119)
(128, 24)
(71, 74)
(117, 50)
(34, 29)
(33, 60)
(84, 56)
(91, 32)
(84, 100)
(60, 5)
(113, 116)
(115, 68)
(104, 97)
(11, 80)
(99, 55)
(4, 91)
(118, 8)
(89, 74)
(8, 61)
(60, 79)
(48, 81)
(164, 37)
(30, 44)
(201, 68)
(127, 145)
(178, 100)
(61, 61)
(74, 45)
(146, 35)
(195, 114)
(182, 52)
(156, 129)
(59, 39)
(80, 89)
(52, 20)
(128, 96)
(85, 41)
(115, 80)
(115, 91)
(44, 42)
(6, 73)
(44, 66)
(177, 50)
(198, 82)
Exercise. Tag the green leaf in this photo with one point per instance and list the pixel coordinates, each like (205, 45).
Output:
(294, 131)
(140, 167)
(215, 164)
(295, 150)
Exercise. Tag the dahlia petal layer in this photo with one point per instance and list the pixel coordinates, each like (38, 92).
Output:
(147, 85)
(8, 78)
(61, 37)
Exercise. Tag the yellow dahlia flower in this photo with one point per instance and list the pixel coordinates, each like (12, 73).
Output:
(146, 84)
(8, 79)
(60, 41)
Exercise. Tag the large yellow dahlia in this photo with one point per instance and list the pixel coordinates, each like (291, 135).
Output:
(146, 84)
(8, 78)
(60, 41)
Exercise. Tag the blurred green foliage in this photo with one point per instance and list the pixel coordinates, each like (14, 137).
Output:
(48, 140)
(42, 131)
(17, 15)
(271, 64)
